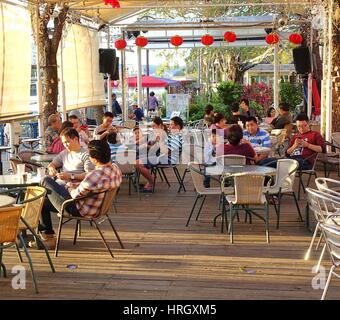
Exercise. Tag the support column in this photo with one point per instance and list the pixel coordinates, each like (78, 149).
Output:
(139, 77)
(39, 86)
(147, 73)
(328, 132)
(108, 81)
(276, 76)
(124, 107)
(62, 83)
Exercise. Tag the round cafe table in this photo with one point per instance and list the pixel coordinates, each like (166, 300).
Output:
(262, 150)
(6, 201)
(43, 157)
(230, 170)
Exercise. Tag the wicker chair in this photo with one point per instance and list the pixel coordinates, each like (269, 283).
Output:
(248, 191)
(331, 234)
(231, 160)
(29, 167)
(9, 231)
(284, 182)
(101, 216)
(197, 177)
(32, 202)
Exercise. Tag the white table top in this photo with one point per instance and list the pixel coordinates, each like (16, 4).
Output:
(30, 140)
(14, 180)
(6, 201)
(260, 150)
(219, 170)
(43, 157)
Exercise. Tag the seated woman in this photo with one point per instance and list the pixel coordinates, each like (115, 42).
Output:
(235, 146)
(57, 145)
(220, 125)
(270, 116)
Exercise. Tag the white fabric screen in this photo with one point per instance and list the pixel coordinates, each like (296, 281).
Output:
(15, 60)
(84, 85)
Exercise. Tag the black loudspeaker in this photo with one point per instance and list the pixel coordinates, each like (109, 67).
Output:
(115, 72)
(107, 58)
(301, 58)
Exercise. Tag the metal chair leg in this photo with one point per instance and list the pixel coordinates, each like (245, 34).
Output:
(103, 238)
(30, 263)
(297, 206)
(320, 258)
(327, 283)
(312, 241)
(115, 232)
(192, 210)
(19, 253)
(58, 236)
(200, 209)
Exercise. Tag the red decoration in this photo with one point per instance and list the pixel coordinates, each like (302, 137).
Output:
(230, 36)
(207, 40)
(272, 38)
(113, 3)
(120, 44)
(296, 38)
(141, 41)
(176, 41)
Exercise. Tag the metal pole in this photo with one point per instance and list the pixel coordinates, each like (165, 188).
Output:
(39, 87)
(310, 77)
(329, 75)
(124, 109)
(276, 76)
(62, 87)
(147, 73)
(108, 81)
(139, 76)
(199, 70)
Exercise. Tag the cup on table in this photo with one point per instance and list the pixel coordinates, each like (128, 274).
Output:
(41, 172)
(20, 169)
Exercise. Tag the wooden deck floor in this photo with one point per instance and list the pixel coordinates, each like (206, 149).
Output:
(165, 260)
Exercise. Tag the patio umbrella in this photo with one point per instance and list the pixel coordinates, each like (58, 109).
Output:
(147, 82)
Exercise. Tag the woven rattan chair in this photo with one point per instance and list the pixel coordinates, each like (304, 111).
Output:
(331, 234)
(197, 176)
(9, 231)
(32, 202)
(29, 167)
(284, 182)
(323, 206)
(248, 192)
(102, 215)
(231, 160)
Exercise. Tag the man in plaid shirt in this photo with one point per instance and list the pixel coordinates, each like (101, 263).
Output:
(105, 176)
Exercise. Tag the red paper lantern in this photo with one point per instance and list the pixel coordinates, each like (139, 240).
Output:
(176, 41)
(141, 41)
(207, 40)
(296, 38)
(272, 38)
(230, 36)
(113, 3)
(120, 44)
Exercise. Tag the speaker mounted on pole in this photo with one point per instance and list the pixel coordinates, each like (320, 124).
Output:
(107, 60)
(301, 56)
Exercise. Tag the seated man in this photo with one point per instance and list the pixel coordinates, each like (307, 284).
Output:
(305, 143)
(246, 109)
(170, 152)
(73, 163)
(83, 137)
(256, 137)
(105, 128)
(236, 115)
(105, 176)
(137, 114)
(115, 145)
(284, 117)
